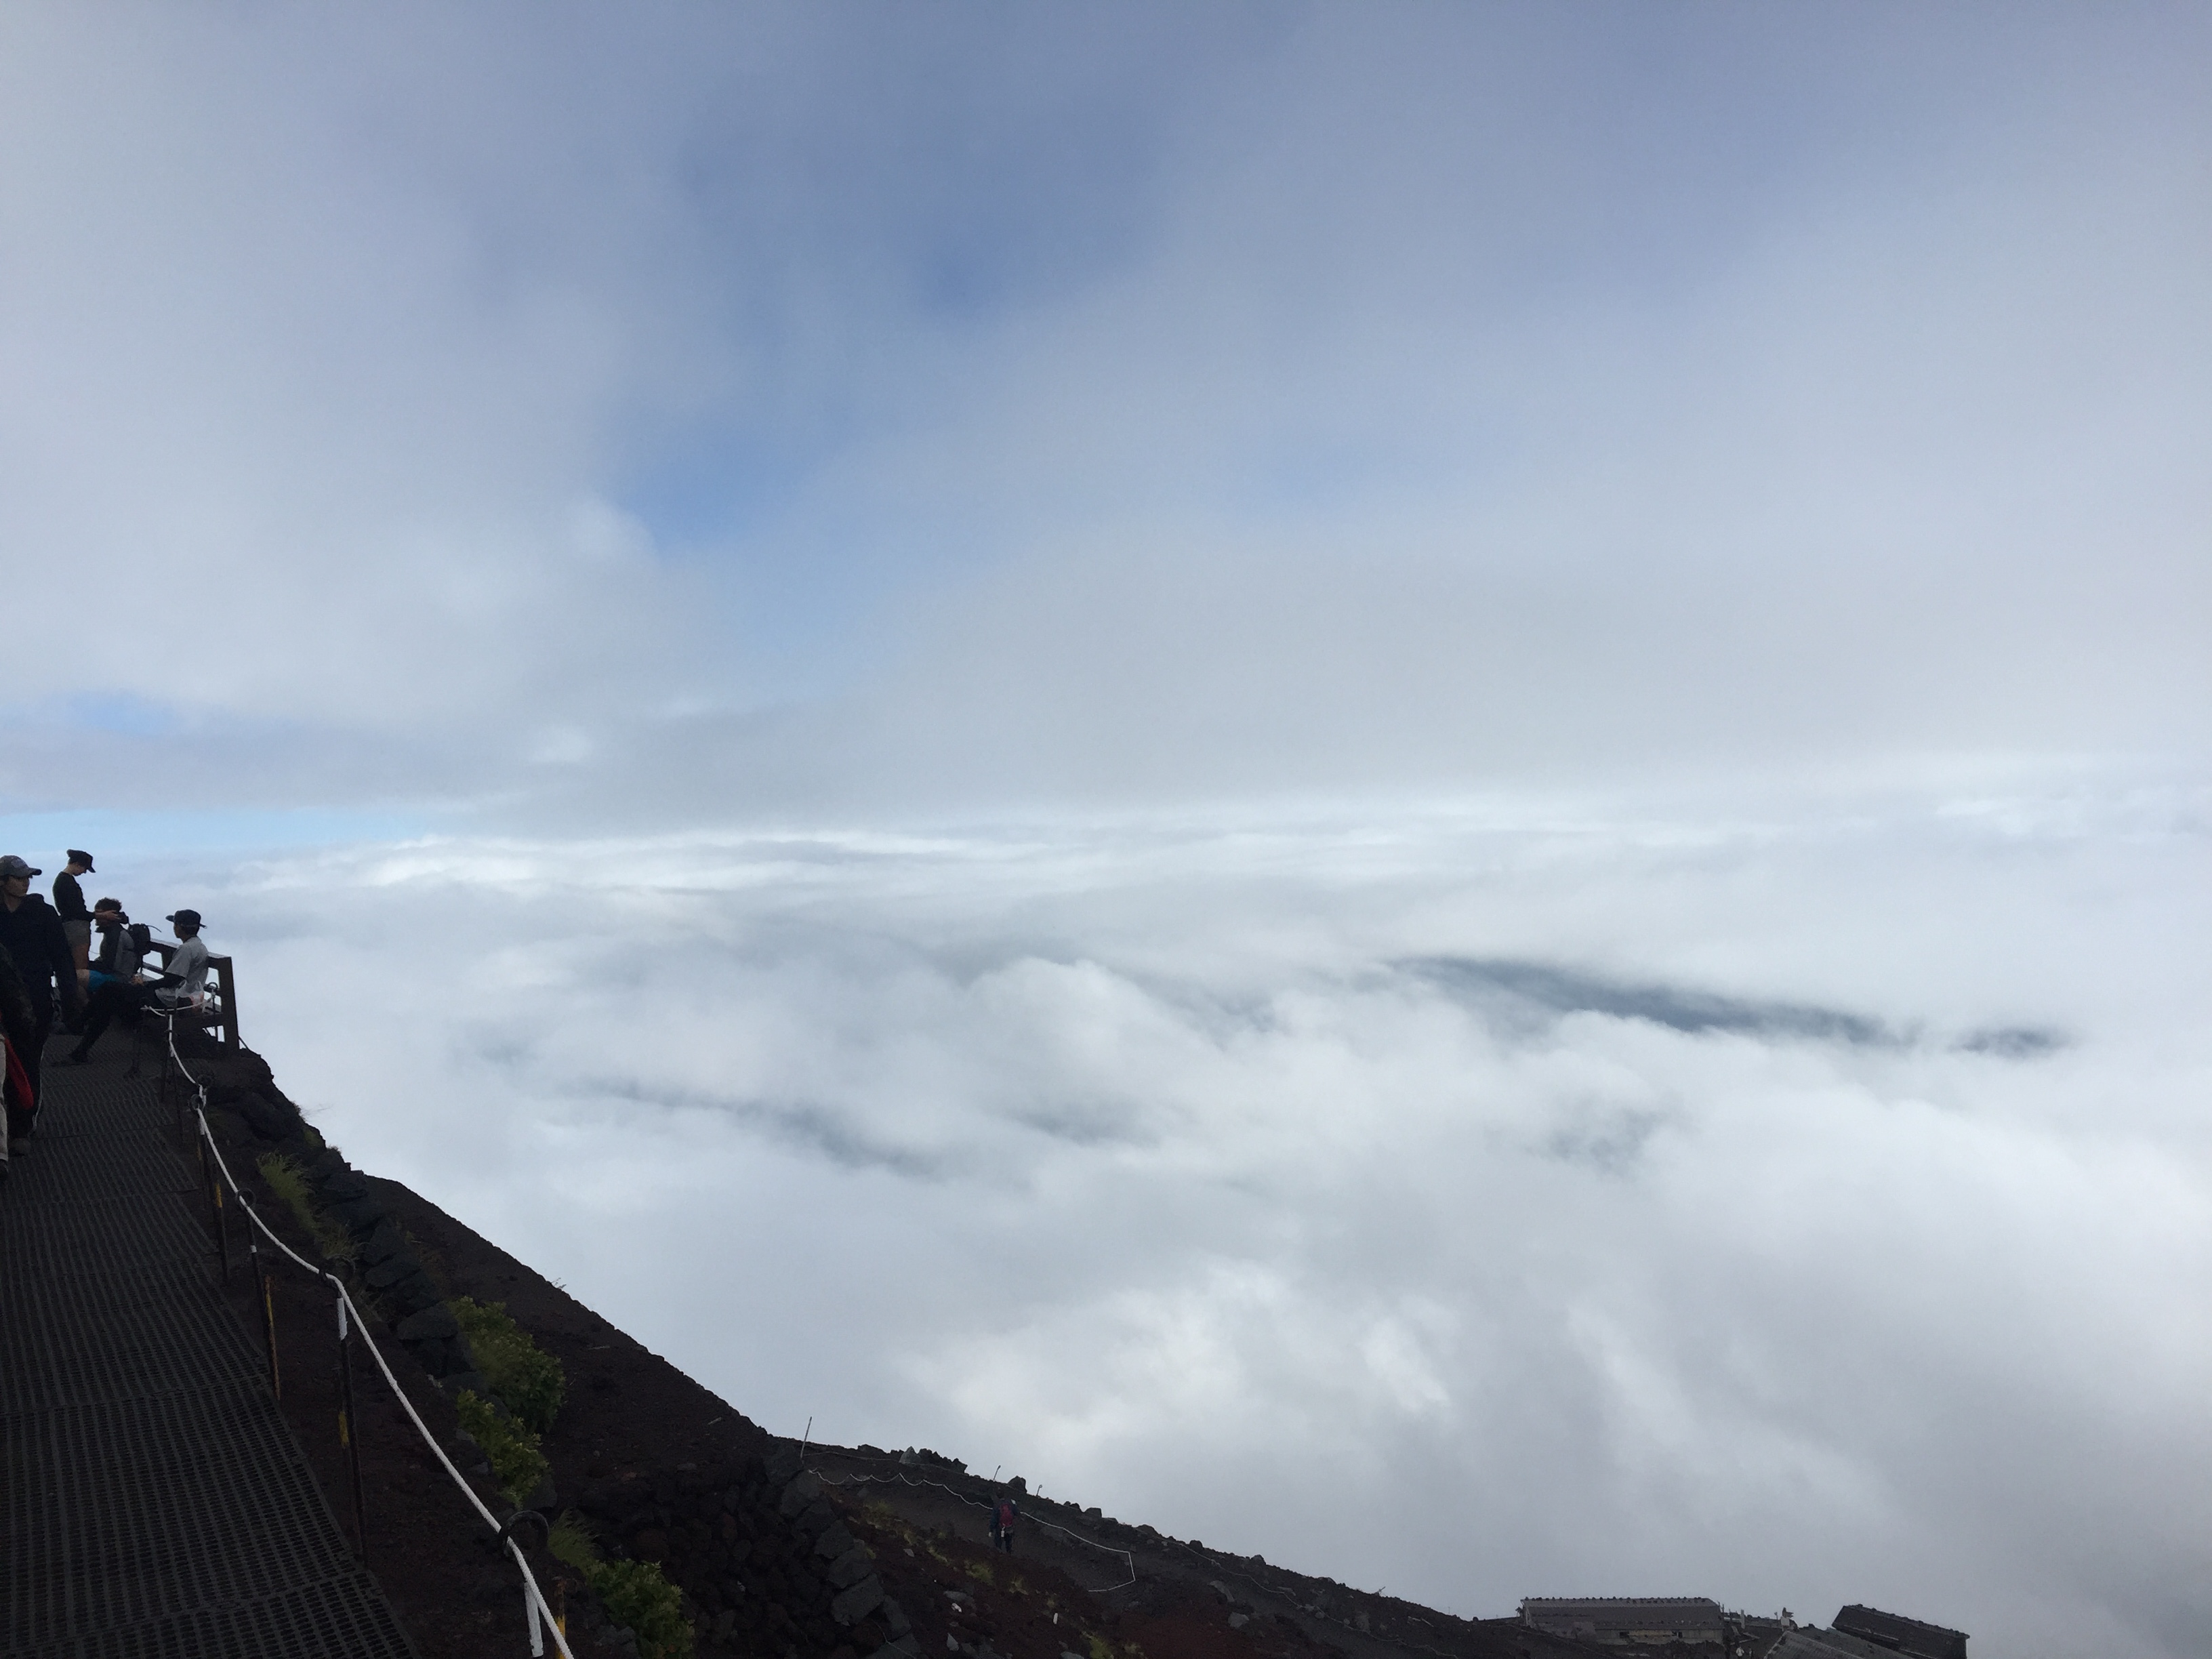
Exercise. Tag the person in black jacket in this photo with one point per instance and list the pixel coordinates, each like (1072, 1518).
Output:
(31, 933)
(76, 920)
(21, 1026)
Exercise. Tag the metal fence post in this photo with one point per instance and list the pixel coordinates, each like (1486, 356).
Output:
(222, 1224)
(350, 1431)
(265, 1282)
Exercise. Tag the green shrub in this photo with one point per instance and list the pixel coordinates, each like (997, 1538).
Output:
(282, 1175)
(516, 1462)
(572, 1540)
(635, 1593)
(528, 1380)
(638, 1594)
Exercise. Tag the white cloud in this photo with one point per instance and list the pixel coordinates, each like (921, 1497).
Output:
(1136, 1156)
(1122, 414)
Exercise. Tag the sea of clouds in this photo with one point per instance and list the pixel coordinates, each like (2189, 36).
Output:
(1793, 1205)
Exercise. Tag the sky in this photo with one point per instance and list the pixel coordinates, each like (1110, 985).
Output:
(1475, 737)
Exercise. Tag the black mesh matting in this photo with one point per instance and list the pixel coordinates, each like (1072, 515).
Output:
(152, 1500)
(74, 1171)
(121, 1253)
(337, 1616)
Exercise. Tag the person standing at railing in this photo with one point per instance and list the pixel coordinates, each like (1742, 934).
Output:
(32, 935)
(76, 920)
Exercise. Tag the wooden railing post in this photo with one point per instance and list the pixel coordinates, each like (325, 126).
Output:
(226, 985)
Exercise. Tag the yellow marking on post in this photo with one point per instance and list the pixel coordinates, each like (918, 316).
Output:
(269, 1307)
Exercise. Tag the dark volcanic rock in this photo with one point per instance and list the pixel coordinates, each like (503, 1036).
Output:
(266, 1118)
(360, 1214)
(383, 1243)
(339, 1183)
(430, 1322)
(391, 1271)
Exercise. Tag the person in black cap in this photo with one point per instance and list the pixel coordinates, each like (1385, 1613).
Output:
(76, 920)
(185, 980)
(31, 933)
(117, 989)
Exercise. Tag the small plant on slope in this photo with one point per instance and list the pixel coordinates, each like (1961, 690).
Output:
(528, 1380)
(283, 1177)
(516, 1462)
(636, 1592)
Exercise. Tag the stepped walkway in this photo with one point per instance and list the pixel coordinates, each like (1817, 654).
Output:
(152, 1500)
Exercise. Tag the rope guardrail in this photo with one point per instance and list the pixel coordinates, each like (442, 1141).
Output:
(1128, 1560)
(537, 1613)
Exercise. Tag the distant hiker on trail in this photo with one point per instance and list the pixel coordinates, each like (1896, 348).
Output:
(117, 988)
(188, 963)
(1004, 1514)
(31, 933)
(76, 920)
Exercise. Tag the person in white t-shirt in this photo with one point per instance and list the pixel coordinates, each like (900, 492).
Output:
(183, 981)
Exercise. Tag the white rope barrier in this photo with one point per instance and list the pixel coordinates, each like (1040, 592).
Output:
(537, 1612)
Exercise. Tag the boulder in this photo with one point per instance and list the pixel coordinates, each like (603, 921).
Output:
(390, 1271)
(784, 1466)
(266, 1118)
(438, 1321)
(384, 1242)
(360, 1214)
(848, 1569)
(339, 1183)
(853, 1605)
(833, 1541)
(803, 1490)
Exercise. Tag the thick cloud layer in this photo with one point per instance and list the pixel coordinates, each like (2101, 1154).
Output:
(1528, 1200)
